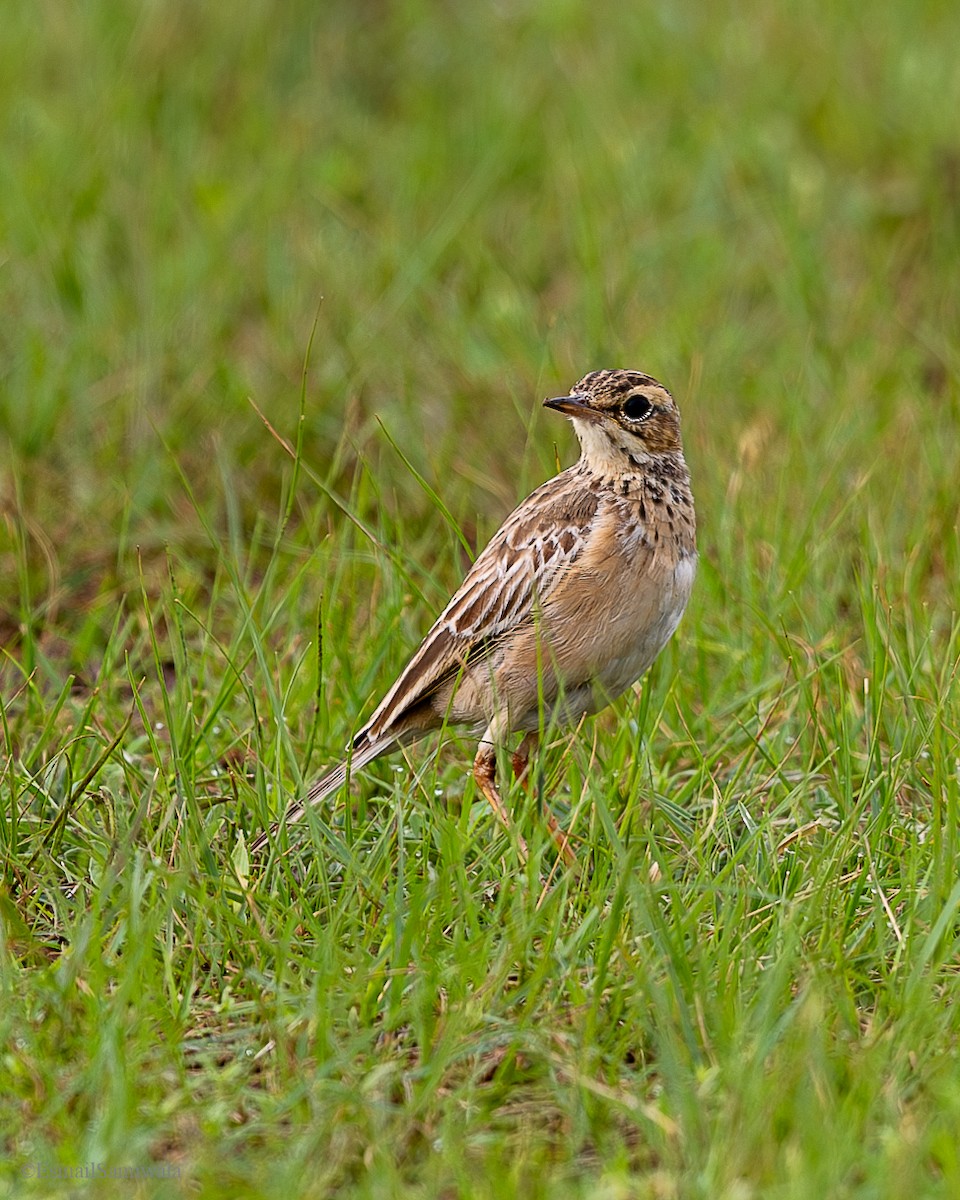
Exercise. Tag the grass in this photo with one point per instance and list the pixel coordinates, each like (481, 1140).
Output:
(394, 228)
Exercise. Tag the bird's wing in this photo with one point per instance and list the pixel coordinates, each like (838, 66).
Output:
(524, 560)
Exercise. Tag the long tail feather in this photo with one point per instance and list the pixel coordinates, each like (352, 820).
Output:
(328, 783)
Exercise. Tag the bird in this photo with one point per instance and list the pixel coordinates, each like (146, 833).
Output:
(568, 605)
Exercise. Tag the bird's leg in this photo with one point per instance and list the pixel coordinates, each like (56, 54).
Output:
(560, 838)
(485, 773)
(520, 759)
(521, 766)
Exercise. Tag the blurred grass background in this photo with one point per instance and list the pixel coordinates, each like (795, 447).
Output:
(466, 208)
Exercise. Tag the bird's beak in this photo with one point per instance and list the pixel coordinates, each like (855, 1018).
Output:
(574, 405)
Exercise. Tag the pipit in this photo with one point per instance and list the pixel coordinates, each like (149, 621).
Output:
(571, 601)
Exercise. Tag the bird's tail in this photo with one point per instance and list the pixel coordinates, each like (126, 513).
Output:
(365, 749)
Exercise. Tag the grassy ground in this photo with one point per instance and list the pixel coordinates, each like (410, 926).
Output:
(752, 991)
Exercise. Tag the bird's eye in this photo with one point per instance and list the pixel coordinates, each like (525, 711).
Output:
(637, 408)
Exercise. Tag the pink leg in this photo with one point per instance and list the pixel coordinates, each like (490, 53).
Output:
(485, 773)
(521, 764)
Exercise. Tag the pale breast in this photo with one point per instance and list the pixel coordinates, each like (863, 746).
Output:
(650, 608)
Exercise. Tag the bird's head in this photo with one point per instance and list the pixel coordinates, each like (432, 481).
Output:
(621, 415)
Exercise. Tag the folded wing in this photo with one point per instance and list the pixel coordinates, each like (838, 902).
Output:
(523, 562)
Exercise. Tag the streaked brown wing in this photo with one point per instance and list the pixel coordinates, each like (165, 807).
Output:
(524, 560)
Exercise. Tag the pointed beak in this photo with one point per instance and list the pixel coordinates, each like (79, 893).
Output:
(574, 405)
